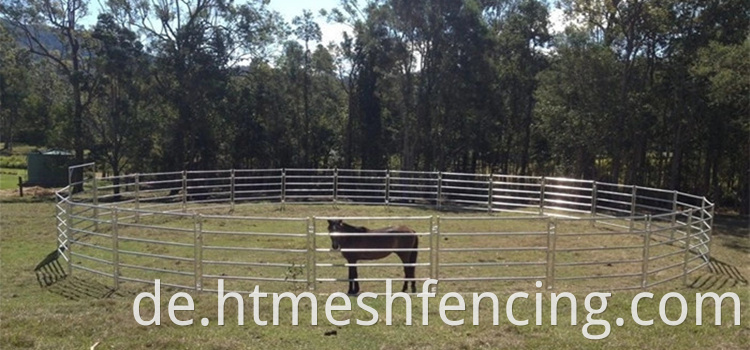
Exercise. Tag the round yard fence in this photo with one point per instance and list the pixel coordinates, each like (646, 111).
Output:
(476, 232)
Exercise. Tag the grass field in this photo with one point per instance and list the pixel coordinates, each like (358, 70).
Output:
(522, 258)
(81, 311)
(9, 178)
(13, 165)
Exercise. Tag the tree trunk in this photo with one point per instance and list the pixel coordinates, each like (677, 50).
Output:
(407, 145)
(675, 172)
(9, 126)
(78, 142)
(349, 142)
(527, 134)
(306, 161)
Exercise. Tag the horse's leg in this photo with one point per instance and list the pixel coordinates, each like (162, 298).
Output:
(353, 284)
(406, 258)
(409, 270)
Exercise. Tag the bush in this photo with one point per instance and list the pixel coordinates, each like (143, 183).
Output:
(13, 162)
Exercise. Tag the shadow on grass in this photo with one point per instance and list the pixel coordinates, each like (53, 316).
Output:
(732, 225)
(49, 271)
(722, 275)
(76, 288)
(51, 275)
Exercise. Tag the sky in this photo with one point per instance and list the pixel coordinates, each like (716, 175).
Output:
(330, 31)
(291, 8)
(287, 8)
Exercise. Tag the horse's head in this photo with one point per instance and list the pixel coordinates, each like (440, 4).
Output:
(335, 226)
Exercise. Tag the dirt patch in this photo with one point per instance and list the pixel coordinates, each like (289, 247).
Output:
(33, 191)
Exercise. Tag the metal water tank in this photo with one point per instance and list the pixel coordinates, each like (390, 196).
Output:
(48, 169)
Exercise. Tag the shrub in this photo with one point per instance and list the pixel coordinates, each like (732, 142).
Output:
(14, 162)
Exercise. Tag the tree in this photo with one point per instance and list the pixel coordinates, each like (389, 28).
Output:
(306, 29)
(14, 86)
(726, 70)
(371, 51)
(51, 29)
(329, 109)
(122, 131)
(195, 43)
(521, 36)
(574, 113)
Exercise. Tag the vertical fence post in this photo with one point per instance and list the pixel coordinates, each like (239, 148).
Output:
(198, 252)
(115, 249)
(137, 197)
(490, 193)
(674, 215)
(60, 224)
(633, 196)
(283, 188)
(702, 224)
(688, 236)
(551, 250)
(709, 233)
(231, 189)
(594, 199)
(311, 250)
(95, 200)
(435, 233)
(439, 190)
(541, 195)
(387, 188)
(335, 186)
(646, 253)
(69, 227)
(184, 191)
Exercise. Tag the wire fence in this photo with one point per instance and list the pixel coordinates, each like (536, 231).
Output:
(571, 234)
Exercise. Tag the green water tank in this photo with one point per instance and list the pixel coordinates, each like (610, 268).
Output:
(48, 169)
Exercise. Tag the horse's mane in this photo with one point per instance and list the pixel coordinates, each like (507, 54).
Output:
(355, 228)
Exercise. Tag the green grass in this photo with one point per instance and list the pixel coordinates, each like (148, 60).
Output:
(9, 178)
(526, 263)
(80, 311)
(13, 165)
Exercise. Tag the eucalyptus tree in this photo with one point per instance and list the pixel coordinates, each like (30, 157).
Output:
(574, 114)
(14, 86)
(121, 126)
(347, 70)
(521, 41)
(253, 98)
(725, 70)
(451, 103)
(52, 29)
(195, 42)
(624, 27)
(291, 126)
(329, 108)
(664, 124)
(307, 30)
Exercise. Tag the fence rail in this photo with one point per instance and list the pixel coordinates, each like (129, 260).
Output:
(572, 233)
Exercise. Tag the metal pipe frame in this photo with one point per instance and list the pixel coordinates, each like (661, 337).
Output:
(687, 218)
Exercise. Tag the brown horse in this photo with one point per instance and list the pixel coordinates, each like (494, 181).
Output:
(380, 243)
